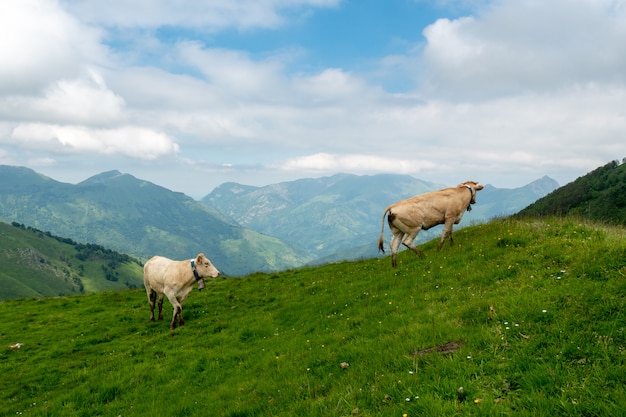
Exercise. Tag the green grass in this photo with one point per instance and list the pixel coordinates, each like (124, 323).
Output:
(537, 305)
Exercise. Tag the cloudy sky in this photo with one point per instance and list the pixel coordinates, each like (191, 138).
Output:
(190, 94)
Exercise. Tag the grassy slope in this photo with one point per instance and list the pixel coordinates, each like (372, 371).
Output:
(33, 264)
(537, 304)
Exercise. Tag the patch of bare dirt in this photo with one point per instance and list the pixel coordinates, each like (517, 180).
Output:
(449, 347)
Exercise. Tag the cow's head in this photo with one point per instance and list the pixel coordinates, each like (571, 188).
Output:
(205, 268)
(473, 186)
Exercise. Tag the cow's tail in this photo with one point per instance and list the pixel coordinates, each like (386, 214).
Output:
(381, 245)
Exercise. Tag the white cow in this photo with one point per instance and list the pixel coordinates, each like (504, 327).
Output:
(174, 280)
(407, 217)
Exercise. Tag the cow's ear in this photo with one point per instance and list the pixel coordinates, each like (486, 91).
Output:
(479, 187)
(199, 257)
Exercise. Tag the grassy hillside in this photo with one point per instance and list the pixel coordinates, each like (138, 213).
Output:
(37, 264)
(527, 316)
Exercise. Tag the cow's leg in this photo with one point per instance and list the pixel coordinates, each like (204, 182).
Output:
(152, 295)
(174, 317)
(447, 232)
(160, 303)
(395, 244)
(177, 310)
(409, 242)
(180, 313)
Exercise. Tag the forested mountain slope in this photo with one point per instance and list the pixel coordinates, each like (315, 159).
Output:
(37, 264)
(598, 195)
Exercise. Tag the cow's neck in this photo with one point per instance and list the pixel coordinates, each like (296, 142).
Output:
(472, 198)
(196, 276)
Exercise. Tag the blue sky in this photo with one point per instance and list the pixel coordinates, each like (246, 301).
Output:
(191, 94)
(349, 36)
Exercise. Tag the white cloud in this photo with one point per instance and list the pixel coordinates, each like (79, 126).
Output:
(355, 163)
(332, 86)
(41, 43)
(129, 141)
(233, 71)
(513, 47)
(85, 100)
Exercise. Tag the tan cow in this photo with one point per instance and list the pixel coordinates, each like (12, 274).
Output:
(407, 217)
(174, 280)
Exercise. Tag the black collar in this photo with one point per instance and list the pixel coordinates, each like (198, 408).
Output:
(472, 193)
(473, 197)
(195, 273)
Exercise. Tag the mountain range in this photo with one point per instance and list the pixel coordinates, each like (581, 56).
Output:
(339, 217)
(139, 218)
(241, 228)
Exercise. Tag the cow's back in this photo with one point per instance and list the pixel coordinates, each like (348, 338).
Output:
(158, 271)
(430, 209)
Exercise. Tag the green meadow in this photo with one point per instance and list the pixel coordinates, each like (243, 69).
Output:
(521, 317)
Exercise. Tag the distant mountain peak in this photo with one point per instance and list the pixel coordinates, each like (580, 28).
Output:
(21, 177)
(112, 173)
(103, 177)
(543, 186)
